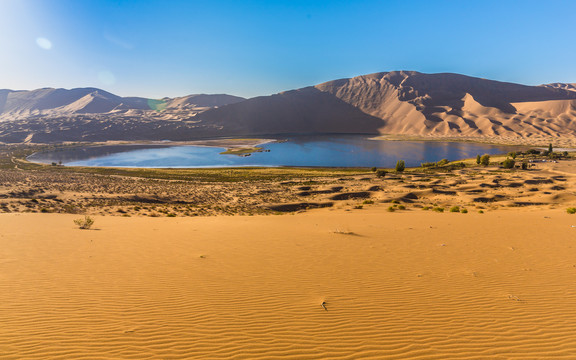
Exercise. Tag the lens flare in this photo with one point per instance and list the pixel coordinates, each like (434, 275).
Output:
(106, 77)
(157, 105)
(44, 43)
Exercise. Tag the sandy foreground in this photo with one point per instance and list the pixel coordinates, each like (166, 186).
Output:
(402, 285)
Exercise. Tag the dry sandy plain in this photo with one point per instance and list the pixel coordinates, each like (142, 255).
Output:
(340, 282)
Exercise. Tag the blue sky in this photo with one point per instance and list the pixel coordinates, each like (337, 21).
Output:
(250, 48)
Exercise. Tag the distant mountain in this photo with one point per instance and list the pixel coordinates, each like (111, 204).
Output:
(398, 102)
(410, 103)
(565, 86)
(61, 102)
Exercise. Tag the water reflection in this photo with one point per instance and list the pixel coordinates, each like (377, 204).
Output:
(330, 151)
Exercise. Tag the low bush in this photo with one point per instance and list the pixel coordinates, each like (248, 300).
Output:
(85, 223)
(571, 210)
(380, 173)
(455, 209)
(508, 164)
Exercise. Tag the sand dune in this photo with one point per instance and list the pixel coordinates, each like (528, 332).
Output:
(49, 102)
(405, 103)
(412, 103)
(565, 86)
(412, 285)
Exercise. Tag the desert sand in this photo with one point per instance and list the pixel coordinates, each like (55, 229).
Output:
(356, 268)
(402, 285)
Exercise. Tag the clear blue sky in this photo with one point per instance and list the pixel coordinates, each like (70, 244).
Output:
(250, 48)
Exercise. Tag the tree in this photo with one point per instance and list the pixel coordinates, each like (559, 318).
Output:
(550, 150)
(485, 160)
(478, 157)
(524, 165)
(400, 166)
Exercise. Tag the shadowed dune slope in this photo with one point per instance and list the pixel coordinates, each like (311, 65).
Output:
(306, 110)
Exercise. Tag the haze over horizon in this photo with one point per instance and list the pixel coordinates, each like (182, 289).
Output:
(151, 49)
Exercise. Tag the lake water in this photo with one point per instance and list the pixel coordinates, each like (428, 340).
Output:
(328, 151)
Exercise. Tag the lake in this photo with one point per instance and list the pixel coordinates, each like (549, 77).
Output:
(319, 151)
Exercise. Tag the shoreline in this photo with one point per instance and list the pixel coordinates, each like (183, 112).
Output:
(242, 146)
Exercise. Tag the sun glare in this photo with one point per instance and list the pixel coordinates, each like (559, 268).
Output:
(44, 43)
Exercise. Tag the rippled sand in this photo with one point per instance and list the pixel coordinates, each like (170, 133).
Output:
(402, 285)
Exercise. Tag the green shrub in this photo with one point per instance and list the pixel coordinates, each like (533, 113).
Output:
(464, 211)
(427, 164)
(524, 165)
(508, 164)
(485, 160)
(401, 207)
(368, 202)
(380, 173)
(512, 154)
(395, 202)
(426, 208)
(442, 162)
(571, 210)
(400, 166)
(85, 223)
(480, 211)
(373, 169)
(478, 159)
(438, 209)
(391, 208)
(455, 209)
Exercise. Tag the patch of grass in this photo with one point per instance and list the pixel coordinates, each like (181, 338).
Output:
(426, 208)
(464, 211)
(368, 202)
(438, 209)
(571, 210)
(401, 207)
(391, 209)
(455, 209)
